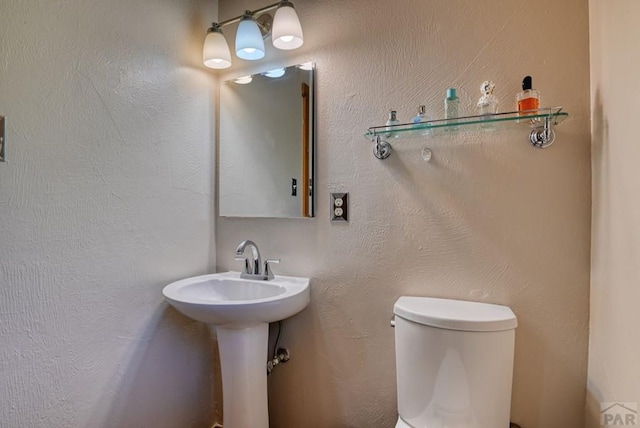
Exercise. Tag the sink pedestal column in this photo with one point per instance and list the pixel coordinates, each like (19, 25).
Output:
(243, 360)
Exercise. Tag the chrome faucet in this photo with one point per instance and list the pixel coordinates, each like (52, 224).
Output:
(253, 268)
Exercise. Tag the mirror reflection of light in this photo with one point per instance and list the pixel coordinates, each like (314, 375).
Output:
(278, 72)
(306, 66)
(244, 80)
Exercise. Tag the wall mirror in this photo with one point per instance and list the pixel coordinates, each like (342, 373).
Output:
(267, 140)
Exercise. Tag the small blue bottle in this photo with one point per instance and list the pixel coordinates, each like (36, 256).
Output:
(421, 118)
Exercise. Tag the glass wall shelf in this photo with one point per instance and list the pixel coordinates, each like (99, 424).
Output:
(541, 122)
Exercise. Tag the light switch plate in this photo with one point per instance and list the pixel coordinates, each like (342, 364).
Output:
(339, 207)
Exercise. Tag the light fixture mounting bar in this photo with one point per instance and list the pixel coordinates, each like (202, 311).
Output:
(254, 13)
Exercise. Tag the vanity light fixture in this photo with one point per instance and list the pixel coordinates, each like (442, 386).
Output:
(215, 53)
(254, 27)
(249, 43)
(287, 31)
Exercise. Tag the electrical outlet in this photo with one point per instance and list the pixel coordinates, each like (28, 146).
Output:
(339, 207)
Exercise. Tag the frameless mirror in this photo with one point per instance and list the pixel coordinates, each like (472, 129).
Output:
(266, 149)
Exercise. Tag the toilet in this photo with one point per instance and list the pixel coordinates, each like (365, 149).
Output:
(454, 363)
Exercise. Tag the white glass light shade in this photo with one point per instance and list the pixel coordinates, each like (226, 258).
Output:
(249, 43)
(215, 53)
(287, 31)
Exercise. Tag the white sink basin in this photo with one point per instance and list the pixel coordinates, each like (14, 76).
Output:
(225, 299)
(240, 311)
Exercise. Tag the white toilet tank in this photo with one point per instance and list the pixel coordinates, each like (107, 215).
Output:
(454, 363)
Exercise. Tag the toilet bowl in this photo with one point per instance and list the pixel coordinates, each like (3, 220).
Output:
(454, 363)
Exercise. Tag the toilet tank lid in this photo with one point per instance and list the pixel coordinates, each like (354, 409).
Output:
(455, 314)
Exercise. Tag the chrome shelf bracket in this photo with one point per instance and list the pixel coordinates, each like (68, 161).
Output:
(381, 149)
(543, 136)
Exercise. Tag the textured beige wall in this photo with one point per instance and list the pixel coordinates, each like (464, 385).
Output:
(614, 349)
(489, 219)
(105, 198)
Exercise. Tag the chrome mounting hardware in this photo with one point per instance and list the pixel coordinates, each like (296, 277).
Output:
(543, 136)
(381, 149)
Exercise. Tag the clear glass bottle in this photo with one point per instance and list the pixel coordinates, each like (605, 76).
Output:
(393, 120)
(421, 117)
(488, 103)
(451, 107)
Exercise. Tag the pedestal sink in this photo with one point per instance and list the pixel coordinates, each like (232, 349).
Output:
(240, 311)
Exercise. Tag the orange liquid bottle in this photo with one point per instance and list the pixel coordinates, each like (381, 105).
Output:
(529, 99)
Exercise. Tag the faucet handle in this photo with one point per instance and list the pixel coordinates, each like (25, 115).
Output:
(267, 271)
(247, 265)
